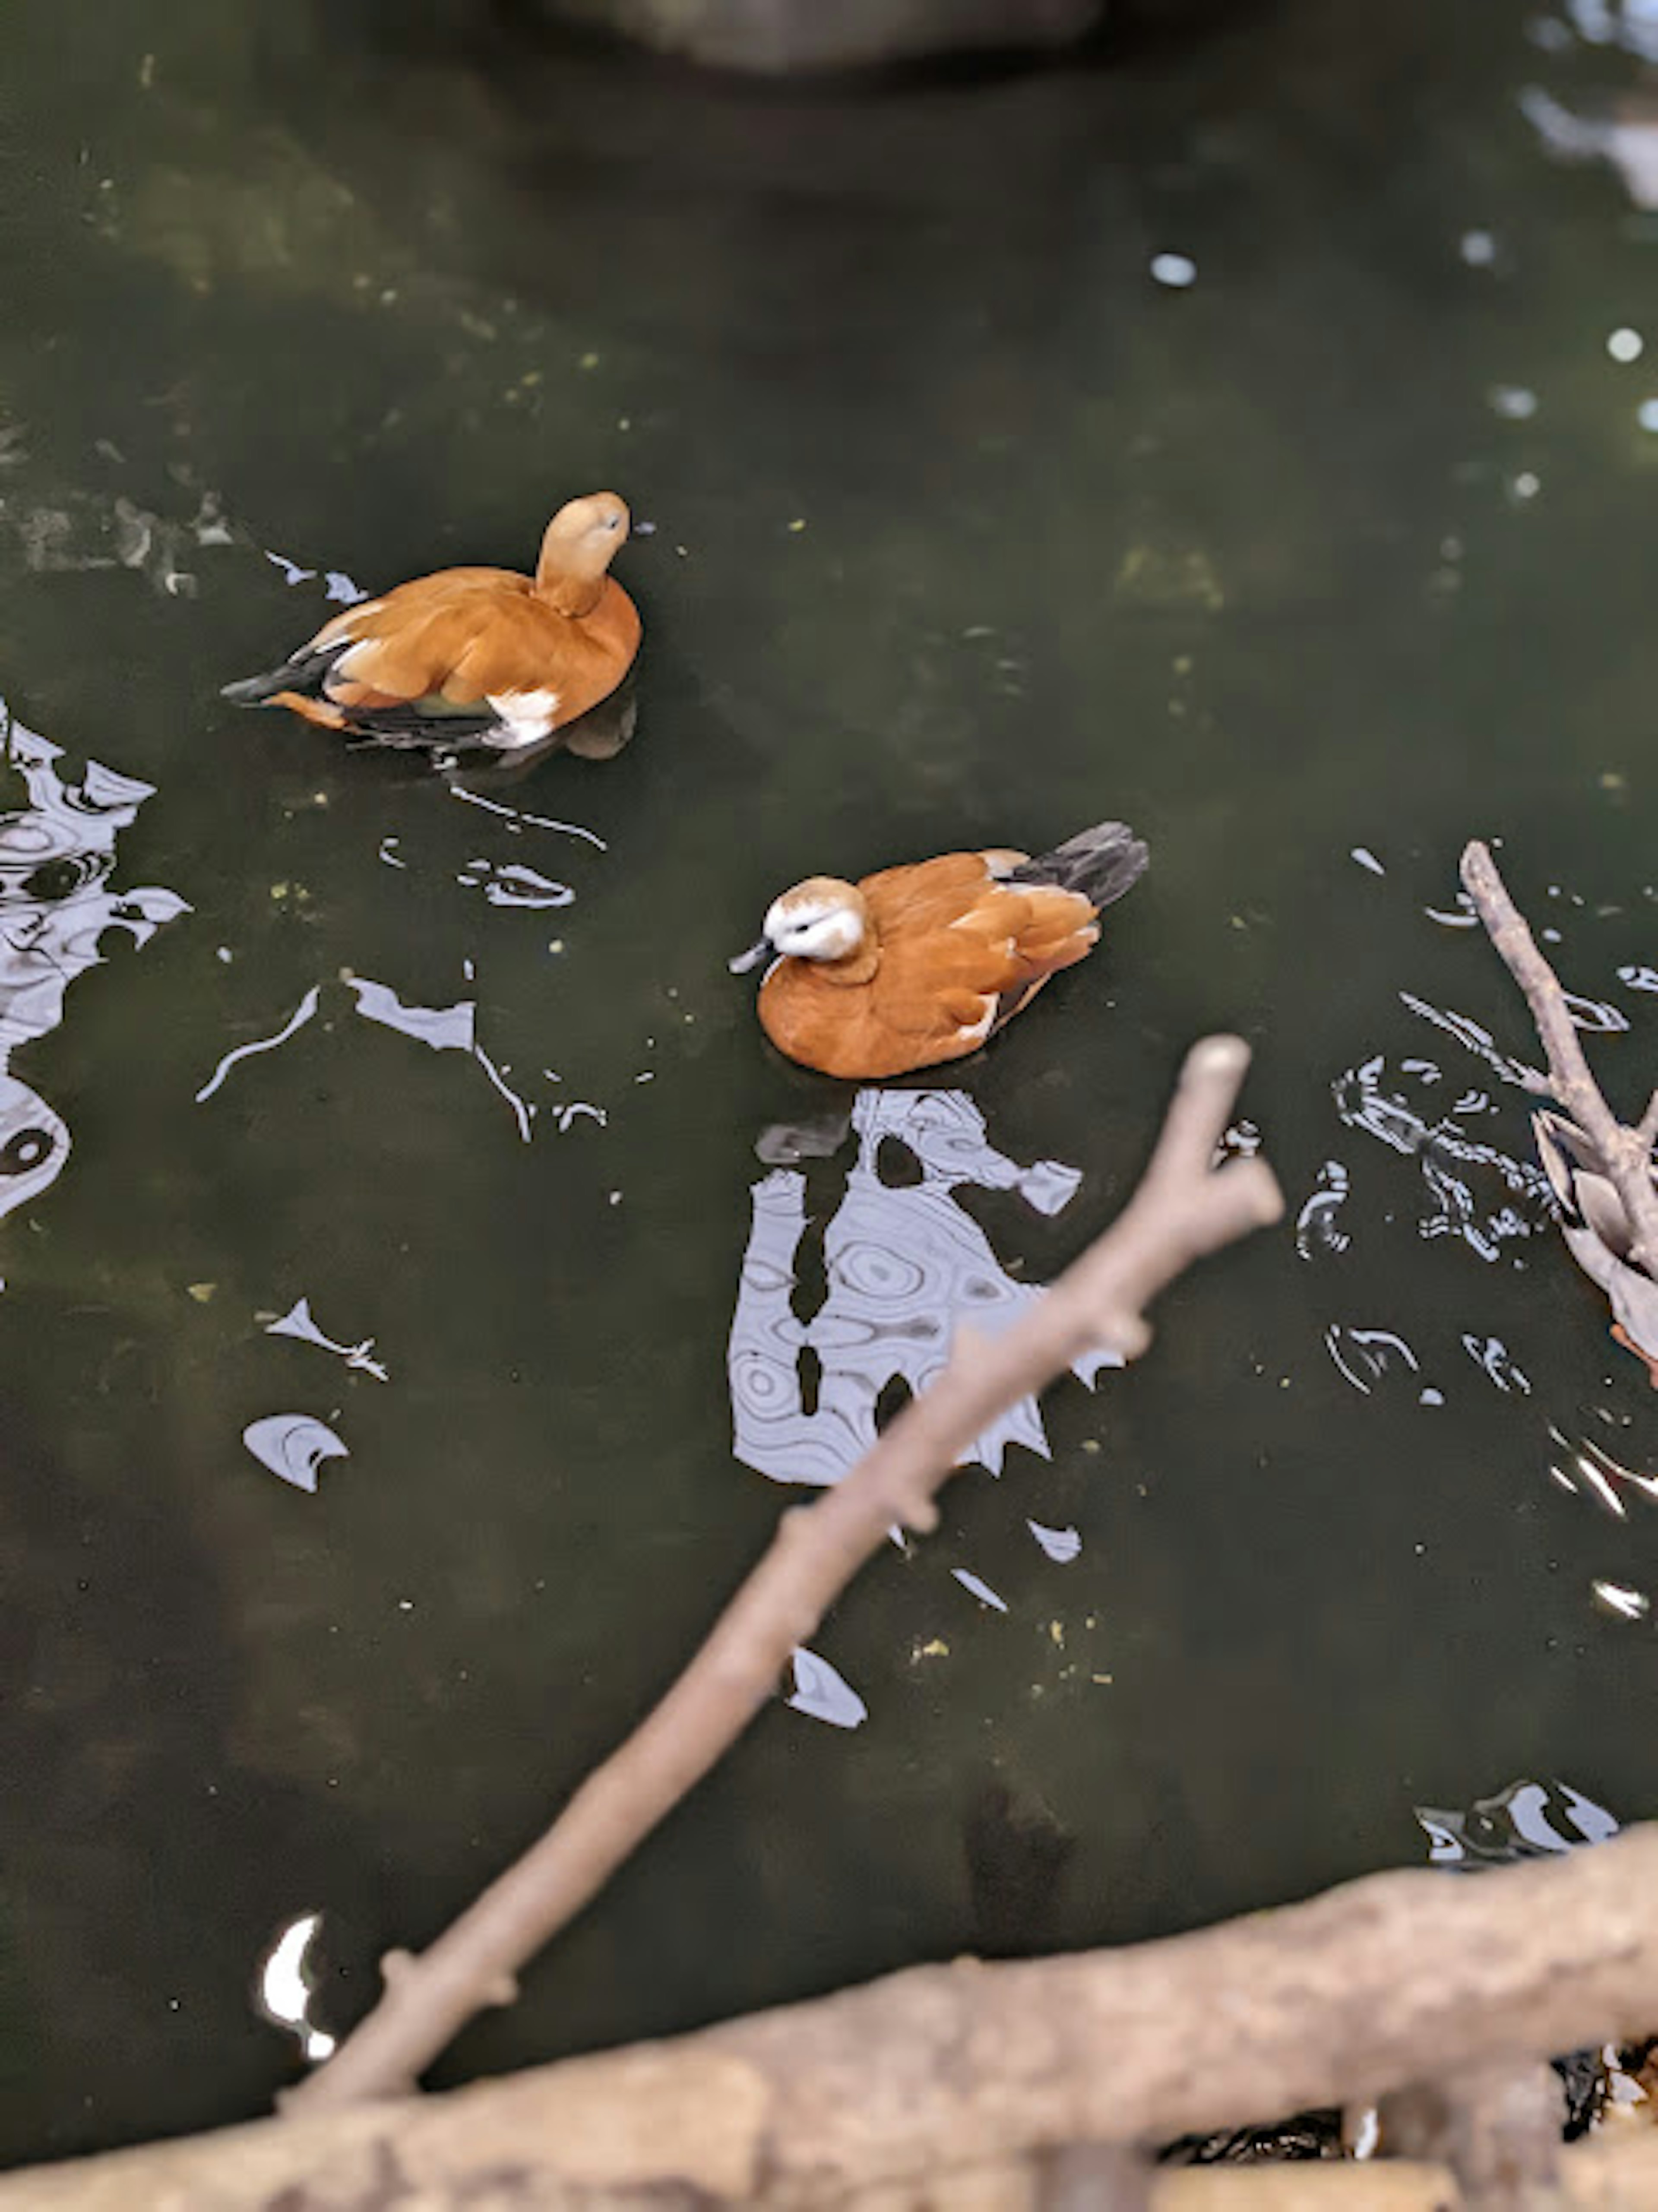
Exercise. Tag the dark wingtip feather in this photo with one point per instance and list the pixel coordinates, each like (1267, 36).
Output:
(1101, 863)
(302, 671)
(248, 690)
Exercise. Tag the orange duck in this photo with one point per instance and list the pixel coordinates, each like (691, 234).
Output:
(919, 964)
(473, 657)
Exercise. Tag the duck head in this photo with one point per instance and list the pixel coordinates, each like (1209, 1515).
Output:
(580, 541)
(821, 919)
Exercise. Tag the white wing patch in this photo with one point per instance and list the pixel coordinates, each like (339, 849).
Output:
(525, 717)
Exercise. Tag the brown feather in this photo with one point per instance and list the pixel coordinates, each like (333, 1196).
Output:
(466, 634)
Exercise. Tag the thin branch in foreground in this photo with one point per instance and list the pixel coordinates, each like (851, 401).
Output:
(1185, 1206)
(1625, 1152)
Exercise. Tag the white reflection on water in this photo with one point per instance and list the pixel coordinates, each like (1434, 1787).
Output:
(1062, 1545)
(1370, 1358)
(1527, 1820)
(906, 1266)
(297, 1322)
(1491, 1353)
(285, 1985)
(511, 884)
(1618, 1597)
(1317, 1229)
(1458, 1169)
(824, 1693)
(444, 1028)
(301, 1014)
(293, 1446)
(517, 820)
(56, 854)
(980, 1588)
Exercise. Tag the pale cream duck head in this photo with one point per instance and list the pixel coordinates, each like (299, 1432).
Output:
(823, 918)
(582, 540)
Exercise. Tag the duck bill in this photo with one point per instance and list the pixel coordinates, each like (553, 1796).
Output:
(745, 963)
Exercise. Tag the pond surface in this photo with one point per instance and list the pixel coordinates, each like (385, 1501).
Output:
(970, 528)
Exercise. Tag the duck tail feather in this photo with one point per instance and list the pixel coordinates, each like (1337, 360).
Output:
(1101, 863)
(305, 672)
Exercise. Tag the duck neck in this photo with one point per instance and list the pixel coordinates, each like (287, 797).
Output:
(854, 968)
(566, 594)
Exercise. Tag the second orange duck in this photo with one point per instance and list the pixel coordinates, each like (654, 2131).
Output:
(481, 658)
(919, 964)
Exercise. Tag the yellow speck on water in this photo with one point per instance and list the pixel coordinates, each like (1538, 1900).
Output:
(936, 1649)
(202, 1292)
(1099, 1678)
(1612, 779)
(147, 72)
(1090, 1444)
(1056, 1634)
(588, 361)
(798, 523)
(279, 890)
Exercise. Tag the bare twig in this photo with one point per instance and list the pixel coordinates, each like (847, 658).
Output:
(1184, 1207)
(1626, 1151)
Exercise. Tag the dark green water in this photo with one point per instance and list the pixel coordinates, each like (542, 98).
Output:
(968, 530)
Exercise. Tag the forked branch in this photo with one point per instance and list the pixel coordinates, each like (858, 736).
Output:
(1185, 1206)
(1571, 1083)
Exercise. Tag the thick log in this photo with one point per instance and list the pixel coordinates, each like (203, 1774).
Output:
(949, 2086)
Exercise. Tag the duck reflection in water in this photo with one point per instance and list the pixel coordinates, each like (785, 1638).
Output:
(57, 854)
(905, 1265)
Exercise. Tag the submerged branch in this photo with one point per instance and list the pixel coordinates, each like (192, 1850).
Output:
(1184, 1207)
(1626, 1151)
